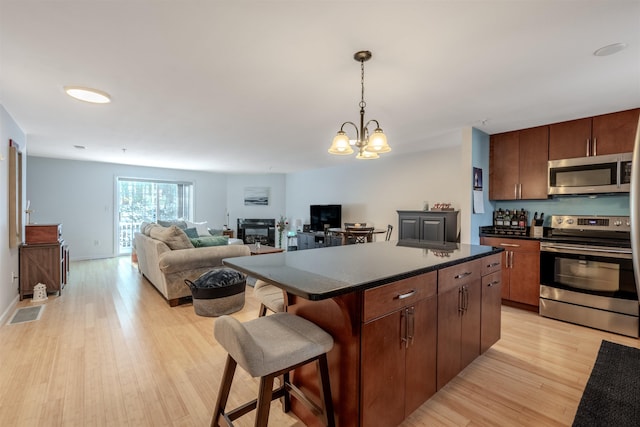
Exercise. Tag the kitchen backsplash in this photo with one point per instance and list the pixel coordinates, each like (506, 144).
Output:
(571, 205)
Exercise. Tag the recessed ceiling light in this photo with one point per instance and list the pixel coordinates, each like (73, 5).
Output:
(610, 49)
(88, 94)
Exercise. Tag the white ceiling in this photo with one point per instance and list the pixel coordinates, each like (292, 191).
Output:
(263, 86)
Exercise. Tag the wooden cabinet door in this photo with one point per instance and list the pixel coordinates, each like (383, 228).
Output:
(383, 371)
(521, 268)
(534, 155)
(570, 139)
(470, 326)
(490, 310)
(420, 376)
(409, 227)
(432, 228)
(615, 133)
(525, 275)
(504, 163)
(449, 329)
(41, 264)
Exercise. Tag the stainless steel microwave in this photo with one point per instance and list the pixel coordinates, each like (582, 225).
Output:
(590, 175)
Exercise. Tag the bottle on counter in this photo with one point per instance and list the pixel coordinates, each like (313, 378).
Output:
(522, 219)
(506, 219)
(514, 218)
(499, 218)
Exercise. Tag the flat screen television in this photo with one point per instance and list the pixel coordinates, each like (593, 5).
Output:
(325, 214)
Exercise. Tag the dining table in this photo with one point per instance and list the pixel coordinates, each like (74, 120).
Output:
(344, 233)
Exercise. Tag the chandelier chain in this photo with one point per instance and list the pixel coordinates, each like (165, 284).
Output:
(362, 103)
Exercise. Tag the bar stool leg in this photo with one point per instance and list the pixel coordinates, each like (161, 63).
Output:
(262, 311)
(223, 392)
(325, 390)
(264, 401)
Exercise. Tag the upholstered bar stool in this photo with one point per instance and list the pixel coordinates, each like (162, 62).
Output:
(271, 297)
(268, 347)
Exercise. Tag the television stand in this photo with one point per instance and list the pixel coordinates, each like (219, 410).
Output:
(317, 239)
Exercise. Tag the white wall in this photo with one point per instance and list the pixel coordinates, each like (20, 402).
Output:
(372, 191)
(82, 196)
(8, 257)
(235, 197)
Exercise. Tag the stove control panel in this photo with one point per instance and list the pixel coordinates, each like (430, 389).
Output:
(604, 223)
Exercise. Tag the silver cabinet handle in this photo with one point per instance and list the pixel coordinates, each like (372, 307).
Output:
(463, 275)
(495, 282)
(588, 148)
(515, 191)
(405, 321)
(460, 300)
(411, 293)
(493, 264)
(410, 325)
(510, 245)
(595, 146)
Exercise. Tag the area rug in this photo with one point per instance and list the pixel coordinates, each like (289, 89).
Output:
(612, 394)
(26, 314)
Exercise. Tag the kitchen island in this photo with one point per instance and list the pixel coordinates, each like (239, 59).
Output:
(406, 318)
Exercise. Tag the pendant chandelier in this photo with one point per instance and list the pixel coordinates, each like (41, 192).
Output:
(368, 145)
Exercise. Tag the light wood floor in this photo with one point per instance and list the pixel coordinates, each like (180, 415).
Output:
(110, 351)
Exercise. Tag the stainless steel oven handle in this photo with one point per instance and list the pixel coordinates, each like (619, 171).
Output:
(587, 250)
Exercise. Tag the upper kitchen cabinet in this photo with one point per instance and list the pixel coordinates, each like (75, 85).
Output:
(518, 164)
(605, 134)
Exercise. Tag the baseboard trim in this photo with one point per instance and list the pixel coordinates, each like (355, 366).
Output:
(9, 310)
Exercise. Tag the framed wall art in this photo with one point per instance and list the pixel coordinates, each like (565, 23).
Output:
(256, 196)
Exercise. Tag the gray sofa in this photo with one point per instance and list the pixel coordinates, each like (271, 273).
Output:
(167, 268)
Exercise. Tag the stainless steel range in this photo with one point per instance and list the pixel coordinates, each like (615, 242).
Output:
(586, 273)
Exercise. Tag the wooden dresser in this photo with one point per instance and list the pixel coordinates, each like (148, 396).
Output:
(44, 258)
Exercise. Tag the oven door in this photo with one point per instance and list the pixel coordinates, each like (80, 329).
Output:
(595, 270)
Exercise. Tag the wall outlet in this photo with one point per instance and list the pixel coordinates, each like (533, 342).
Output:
(13, 276)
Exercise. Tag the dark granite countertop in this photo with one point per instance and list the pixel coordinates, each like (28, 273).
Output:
(317, 274)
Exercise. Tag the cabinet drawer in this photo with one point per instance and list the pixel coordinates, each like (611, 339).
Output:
(491, 264)
(461, 274)
(493, 279)
(387, 298)
(514, 245)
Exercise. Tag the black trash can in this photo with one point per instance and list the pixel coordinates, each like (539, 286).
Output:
(218, 291)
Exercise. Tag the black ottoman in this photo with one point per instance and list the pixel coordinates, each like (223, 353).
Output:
(218, 291)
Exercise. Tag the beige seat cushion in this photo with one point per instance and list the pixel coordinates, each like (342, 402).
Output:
(271, 296)
(172, 236)
(269, 344)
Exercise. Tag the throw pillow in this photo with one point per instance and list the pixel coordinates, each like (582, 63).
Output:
(202, 227)
(143, 225)
(191, 233)
(215, 231)
(202, 241)
(177, 222)
(172, 236)
(147, 229)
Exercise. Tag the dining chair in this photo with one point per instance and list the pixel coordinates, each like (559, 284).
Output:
(387, 237)
(359, 234)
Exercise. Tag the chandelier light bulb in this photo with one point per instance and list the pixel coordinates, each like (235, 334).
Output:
(341, 145)
(378, 142)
